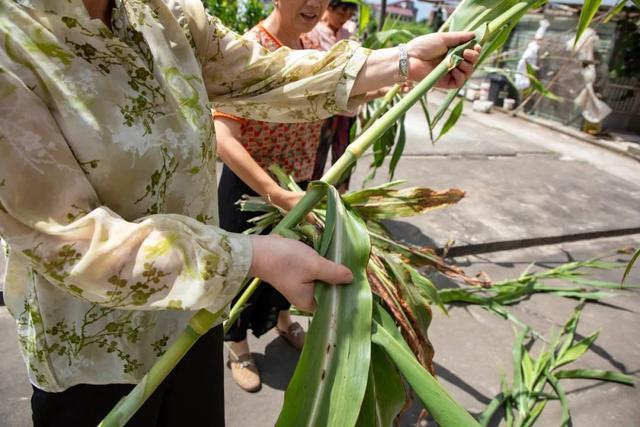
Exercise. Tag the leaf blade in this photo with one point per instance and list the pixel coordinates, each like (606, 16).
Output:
(444, 409)
(328, 385)
(596, 374)
(589, 9)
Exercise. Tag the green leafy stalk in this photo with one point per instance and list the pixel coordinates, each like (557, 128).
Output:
(330, 379)
(470, 15)
(495, 296)
(536, 381)
(241, 303)
(589, 9)
(451, 120)
(444, 409)
(204, 319)
(385, 395)
(383, 106)
(614, 11)
(127, 407)
(632, 261)
(596, 374)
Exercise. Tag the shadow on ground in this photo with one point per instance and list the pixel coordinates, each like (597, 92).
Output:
(277, 364)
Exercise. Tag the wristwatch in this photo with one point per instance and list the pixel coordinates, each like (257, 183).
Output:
(403, 63)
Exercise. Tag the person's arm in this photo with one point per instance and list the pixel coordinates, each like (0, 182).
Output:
(244, 80)
(238, 159)
(424, 54)
(52, 218)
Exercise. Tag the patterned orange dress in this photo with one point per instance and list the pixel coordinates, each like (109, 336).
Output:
(293, 147)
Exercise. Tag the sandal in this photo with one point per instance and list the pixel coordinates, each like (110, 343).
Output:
(294, 335)
(245, 372)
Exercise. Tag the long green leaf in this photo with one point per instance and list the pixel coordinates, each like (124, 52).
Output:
(565, 421)
(385, 396)
(426, 287)
(425, 110)
(398, 149)
(452, 119)
(575, 351)
(614, 11)
(508, 405)
(595, 374)
(575, 293)
(593, 283)
(589, 9)
(470, 15)
(632, 261)
(528, 373)
(538, 86)
(395, 203)
(519, 392)
(330, 379)
(565, 340)
(442, 109)
(487, 415)
(444, 410)
(534, 414)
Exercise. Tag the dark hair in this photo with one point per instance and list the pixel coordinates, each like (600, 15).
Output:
(337, 3)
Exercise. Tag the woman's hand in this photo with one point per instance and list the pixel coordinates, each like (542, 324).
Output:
(293, 267)
(285, 199)
(426, 52)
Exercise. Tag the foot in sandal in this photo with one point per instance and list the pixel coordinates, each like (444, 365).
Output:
(244, 370)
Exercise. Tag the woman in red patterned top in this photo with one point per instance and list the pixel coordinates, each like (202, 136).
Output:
(248, 148)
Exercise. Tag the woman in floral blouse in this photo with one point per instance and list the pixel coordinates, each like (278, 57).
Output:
(108, 190)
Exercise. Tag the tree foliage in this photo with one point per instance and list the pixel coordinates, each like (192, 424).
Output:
(236, 16)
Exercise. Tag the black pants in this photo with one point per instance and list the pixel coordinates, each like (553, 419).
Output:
(192, 395)
(335, 136)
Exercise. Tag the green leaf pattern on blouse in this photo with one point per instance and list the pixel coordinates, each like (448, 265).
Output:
(108, 174)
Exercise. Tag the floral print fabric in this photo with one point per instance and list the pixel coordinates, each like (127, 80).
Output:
(107, 173)
(292, 146)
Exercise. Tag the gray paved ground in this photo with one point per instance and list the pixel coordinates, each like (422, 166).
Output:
(522, 181)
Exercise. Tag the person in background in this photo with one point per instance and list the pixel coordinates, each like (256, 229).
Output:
(335, 133)
(248, 148)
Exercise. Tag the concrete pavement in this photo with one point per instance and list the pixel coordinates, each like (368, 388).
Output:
(522, 181)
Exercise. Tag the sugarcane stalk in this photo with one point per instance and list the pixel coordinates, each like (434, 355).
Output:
(256, 281)
(199, 325)
(204, 320)
(385, 101)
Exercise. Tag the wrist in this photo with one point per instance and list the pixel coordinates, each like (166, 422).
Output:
(272, 193)
(259, 250)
